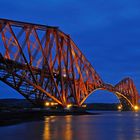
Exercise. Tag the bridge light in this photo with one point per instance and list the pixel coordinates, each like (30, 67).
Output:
(84, 105)
(47, 104)
(120, 107)
(69, 106)
(55, 103)
(136, 108)
(64, 75)
(52, 103)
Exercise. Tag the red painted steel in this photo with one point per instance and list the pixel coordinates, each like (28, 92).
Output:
(42, 63)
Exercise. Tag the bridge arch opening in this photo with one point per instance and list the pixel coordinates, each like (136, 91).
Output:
(105, 95)
(102, 96)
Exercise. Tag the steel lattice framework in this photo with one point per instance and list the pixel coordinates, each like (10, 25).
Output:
(42, 63)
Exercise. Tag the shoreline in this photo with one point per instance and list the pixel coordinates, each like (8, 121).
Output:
(16, 117)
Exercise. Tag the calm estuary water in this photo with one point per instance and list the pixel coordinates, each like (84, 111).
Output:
(105, 126)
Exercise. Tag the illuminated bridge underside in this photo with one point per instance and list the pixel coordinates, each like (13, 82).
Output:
(42, 63)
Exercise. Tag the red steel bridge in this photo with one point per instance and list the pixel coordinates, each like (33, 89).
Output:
(44, 64)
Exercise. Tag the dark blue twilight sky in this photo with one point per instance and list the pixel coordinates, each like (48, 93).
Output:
(106, 31)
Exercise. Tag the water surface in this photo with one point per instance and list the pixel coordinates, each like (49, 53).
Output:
(105, 126)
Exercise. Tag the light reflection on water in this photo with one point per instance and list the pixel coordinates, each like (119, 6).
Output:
(105, 126)
(56, 126)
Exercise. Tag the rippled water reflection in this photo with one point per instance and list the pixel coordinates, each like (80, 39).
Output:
(106, 126)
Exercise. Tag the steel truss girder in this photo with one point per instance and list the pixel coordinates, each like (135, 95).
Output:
(45, 60)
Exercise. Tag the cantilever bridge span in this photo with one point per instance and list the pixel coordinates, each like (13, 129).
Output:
(42, 63)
